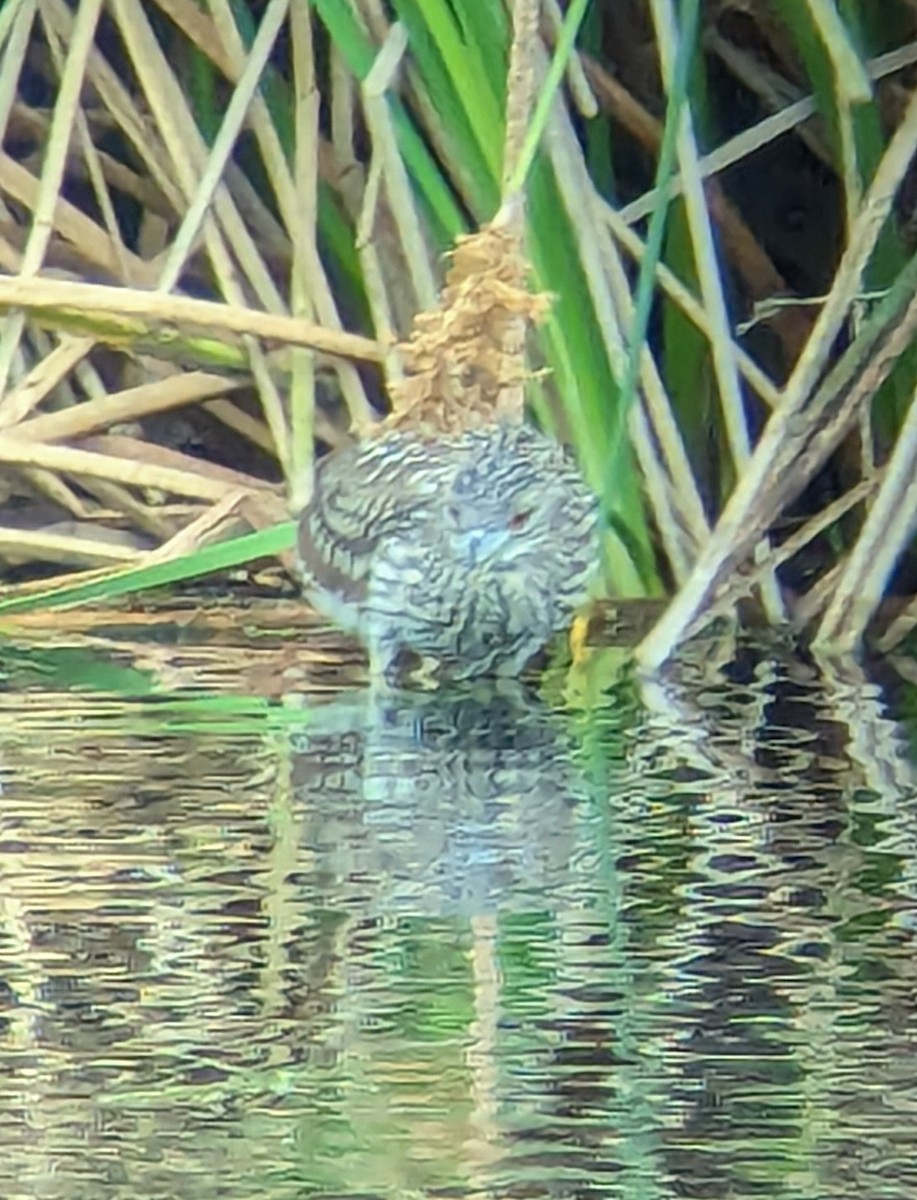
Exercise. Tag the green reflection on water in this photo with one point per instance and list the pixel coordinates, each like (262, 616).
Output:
(466, 945)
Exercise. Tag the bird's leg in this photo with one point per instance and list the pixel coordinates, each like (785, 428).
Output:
(578, 635)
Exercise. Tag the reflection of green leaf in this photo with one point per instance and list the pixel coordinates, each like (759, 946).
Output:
(864, 923)
(432, 950)
(214, 714)
(69, 667)
(147, 709)
(905, 710)
(527, 962)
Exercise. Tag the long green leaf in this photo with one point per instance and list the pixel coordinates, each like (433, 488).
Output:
(266, 543)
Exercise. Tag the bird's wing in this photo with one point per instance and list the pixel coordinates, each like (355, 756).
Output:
(365, 495)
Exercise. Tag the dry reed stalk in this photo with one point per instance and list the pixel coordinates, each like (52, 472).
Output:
(119, 468)
(304, 232)
(19, 545)
(796, 440)
(128, 314)
(886, 533)
(186, 180)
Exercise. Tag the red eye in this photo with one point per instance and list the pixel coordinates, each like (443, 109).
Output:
(519, 520)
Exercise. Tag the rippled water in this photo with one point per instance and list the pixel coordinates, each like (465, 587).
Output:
(649, 940)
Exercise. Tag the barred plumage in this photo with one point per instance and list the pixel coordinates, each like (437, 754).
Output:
(465, 552)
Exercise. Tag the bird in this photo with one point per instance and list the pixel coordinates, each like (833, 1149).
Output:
(451, 557)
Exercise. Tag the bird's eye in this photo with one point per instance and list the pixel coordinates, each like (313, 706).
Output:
(519, 520)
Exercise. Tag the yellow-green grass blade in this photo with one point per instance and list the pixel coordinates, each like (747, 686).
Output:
(358, 53)
(617, 442)
(109, 585)
(585, 381)
(686, 358)
(460, 85)
(688, 370)
(485, 28)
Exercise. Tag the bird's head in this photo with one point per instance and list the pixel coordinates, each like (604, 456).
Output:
(499, 509)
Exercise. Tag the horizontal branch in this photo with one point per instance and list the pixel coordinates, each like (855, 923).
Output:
(130, 314)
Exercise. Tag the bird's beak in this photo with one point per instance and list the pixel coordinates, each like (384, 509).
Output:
(484, 543)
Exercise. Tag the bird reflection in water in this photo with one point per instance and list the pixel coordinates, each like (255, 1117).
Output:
(438, 803)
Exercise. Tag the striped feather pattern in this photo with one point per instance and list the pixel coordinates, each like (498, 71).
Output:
(468, 550)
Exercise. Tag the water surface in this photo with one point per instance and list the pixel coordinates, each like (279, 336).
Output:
(266, 936)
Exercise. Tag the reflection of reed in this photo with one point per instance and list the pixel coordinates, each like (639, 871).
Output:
(129, 908)
(482, 1146)
(786, 928)
(391, 953)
